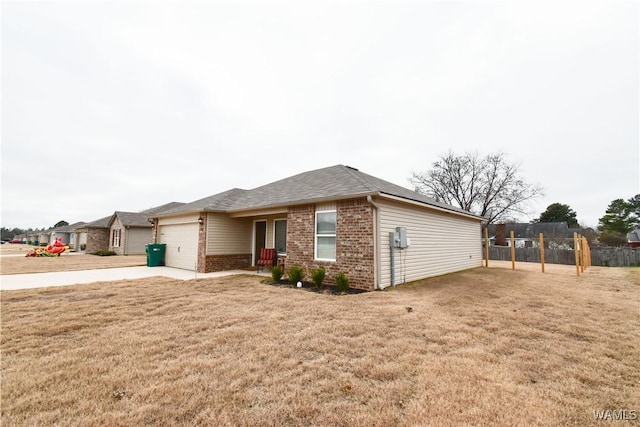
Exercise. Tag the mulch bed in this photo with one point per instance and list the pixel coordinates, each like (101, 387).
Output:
(311, 287)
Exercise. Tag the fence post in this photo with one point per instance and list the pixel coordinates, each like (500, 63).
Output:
(576, 250)
(486, 245)
(582, 258)
(586, 254)
(542, 251)
(513, 251)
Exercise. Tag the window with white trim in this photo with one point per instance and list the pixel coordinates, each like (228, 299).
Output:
(280, 233)
(115, 241)
(326, 235)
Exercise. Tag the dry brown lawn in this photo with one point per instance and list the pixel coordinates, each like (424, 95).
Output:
(66, 262)
(481, 347)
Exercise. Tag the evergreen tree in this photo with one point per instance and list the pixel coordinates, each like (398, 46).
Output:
(618, 220)
(558, 212)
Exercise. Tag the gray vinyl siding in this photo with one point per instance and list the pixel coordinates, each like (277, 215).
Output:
(440, 243)
(228, 236)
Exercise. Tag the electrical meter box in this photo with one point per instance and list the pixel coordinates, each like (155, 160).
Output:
(398, 239)
(402, 237)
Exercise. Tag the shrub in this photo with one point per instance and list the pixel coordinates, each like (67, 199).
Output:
(295, 274)
(83, 246)
(277, 272)
(44, 244)
(103, 252)
(342, 282)
(317, 275)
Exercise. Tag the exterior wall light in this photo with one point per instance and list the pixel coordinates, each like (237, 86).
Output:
(200, 220)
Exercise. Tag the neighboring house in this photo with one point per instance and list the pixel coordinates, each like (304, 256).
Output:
(336, 217)
(633, 239)
(557, 235)
(112, 232)
(77, 238)
(94, 234)
(44, 236)
(65, 232)
(129, 232)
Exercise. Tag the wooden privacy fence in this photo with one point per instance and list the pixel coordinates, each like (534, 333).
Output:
(605, 257)
(551, 256)
(615, 257)
(580, 255)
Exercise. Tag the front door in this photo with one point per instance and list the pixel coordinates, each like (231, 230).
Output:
(260, 239)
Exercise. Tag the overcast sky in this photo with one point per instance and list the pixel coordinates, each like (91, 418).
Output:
(129, 105)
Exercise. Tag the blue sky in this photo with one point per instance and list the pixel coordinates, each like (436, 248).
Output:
(129, 105)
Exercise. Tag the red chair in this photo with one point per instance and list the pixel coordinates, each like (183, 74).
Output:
(267, 257)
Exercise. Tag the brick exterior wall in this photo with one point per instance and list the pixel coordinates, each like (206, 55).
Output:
(225, 262)
(354, 242)
(355, 250)
(154, 231)
(97, 239)
(300, 235)
(202, 247)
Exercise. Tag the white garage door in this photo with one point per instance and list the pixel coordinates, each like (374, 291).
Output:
(182, 245)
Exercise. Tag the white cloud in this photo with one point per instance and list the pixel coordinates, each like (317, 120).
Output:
(148, 103)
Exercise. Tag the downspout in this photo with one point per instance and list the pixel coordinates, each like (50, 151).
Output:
(376, 246)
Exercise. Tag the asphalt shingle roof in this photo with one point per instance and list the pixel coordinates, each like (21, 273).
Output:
(99, 223)
(132, 219)
(331, 183)
(69, 228)
(218, 202)
(139, 219)
(162, 208)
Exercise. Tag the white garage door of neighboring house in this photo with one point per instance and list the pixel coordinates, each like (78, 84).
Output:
(182, 245)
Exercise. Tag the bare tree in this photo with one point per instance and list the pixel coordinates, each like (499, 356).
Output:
(487, 186)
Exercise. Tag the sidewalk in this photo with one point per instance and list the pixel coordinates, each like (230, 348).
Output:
(62, 278)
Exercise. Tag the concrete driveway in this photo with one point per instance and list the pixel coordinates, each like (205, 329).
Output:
(62, 278)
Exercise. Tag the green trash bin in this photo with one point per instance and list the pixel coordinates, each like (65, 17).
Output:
(155, 254)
